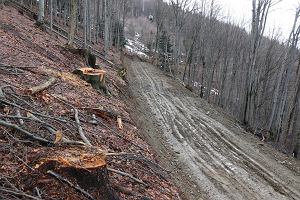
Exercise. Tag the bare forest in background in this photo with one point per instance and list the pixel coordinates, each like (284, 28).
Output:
(253, 77)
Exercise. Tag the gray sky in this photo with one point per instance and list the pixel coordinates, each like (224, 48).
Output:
(281, 15)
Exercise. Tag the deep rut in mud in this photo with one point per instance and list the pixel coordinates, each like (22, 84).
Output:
(209, 158)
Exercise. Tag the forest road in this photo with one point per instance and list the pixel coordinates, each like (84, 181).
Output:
(208, 154)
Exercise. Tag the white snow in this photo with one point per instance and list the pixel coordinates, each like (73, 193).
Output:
(136, 47)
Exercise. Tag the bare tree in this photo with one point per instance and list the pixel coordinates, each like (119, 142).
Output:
(41, 13)
(106, 27)
(285, 78)
(51, 14)
(85, 3)
(72, 22)
(260, 10)
(180, 10)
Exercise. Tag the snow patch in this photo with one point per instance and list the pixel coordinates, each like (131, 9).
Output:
(136, 47)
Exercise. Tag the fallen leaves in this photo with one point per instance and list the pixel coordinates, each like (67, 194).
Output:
(57, 101)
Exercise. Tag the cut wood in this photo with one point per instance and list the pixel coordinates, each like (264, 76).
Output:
(43, 86)
(81, 169)
(59, 177)
(95, 77)
(103, 113)
(119, 121)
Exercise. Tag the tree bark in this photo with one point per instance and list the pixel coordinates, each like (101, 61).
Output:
(43, 86)
(72, 22)
(41, 14)
(106, 28)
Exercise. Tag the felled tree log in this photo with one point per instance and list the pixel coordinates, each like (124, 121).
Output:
(43, 86)
(88, 170)
(104, 113)
(96, 77)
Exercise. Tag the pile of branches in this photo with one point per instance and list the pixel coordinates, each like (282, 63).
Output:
(21, 111)
(24, 121)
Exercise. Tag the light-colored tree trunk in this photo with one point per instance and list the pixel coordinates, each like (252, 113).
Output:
(72, 22)
(260, 10)
(290, 138)
(41, 14)
(51, 14)
(281, 73)
(85, 3)
(106, 27)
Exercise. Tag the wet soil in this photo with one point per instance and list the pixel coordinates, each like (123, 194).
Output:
(209, 155)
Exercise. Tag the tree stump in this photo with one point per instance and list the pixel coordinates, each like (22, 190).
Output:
(83, 169)
(96, 77)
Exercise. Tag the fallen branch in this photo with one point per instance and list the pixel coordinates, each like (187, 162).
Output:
(20, 159)
(2, 93)
(131, 156)
(43, 86)
(130, 192)
(145, 160)
(119, 154)
(15, 127)
(127, 175)
(20, 67)
(103, 113)
(52, 130)
(80, 130)
(36, 113)
(21, 121)
(117, 88)
(119, 135)
(18, 193)
(106, 114)
(62, 179)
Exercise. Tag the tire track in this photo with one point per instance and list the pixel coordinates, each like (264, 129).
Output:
(213, 156)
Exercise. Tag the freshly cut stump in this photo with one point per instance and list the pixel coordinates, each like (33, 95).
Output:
(85, 169)
(96, 77)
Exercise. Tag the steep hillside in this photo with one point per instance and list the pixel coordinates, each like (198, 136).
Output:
(41, 151)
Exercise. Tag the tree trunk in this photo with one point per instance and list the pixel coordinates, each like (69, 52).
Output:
(86, 172)
(106, 27)
(41, 14)
(2, 4)
(51, 15)
(72, 22)
(85, 23)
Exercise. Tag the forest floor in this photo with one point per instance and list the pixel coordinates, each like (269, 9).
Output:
(209, 154)
(29, 57)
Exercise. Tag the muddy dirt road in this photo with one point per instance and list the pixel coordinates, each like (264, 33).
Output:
(208, 154)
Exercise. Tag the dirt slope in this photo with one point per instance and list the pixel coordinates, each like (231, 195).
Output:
(209, 154)
(28, 57)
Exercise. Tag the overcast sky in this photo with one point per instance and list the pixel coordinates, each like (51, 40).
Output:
(281, 15)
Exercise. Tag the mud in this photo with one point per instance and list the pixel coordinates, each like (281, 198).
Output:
(208, 154)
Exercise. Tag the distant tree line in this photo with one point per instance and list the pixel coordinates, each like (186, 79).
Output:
(95, 21)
